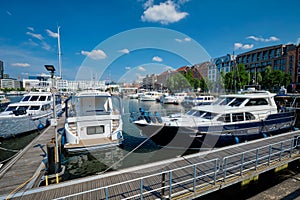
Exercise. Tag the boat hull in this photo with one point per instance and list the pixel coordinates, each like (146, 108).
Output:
(14, 126)
(199, 137)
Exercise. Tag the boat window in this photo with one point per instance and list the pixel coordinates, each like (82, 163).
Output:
(23, 107)
(224, 118)
(26, 98)
(34, 98)
(209, 115)
(11, 108)
(191, 112)
(49, 98)
(95, 130)
(257, 102)
(34, 108)
(237, 102)
(249, 116)
(223, 101)
(237, 117)
(42, 98)
(198, 113)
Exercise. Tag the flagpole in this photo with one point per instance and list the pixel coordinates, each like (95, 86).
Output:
(59, 52)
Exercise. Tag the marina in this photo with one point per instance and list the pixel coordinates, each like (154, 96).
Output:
(124, 175)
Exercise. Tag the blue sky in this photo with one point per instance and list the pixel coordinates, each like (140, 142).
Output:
(123, 40)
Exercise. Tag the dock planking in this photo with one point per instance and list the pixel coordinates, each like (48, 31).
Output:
(18, 171)
(155, 181)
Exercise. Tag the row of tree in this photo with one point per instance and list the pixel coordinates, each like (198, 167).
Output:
(269, 79)
(234, 80)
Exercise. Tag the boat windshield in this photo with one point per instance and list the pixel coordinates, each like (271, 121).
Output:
(42, 98)
(209, 115)
(91, 105)
(237, 102)
(223, 101)
(26, 98)
(196, 113)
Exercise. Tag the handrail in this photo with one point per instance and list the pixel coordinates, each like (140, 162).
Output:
(253, 156)
(216, 168)
(213, 171)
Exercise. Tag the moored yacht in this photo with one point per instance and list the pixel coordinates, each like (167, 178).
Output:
(231, 119)
(151, 96)
(30, 113)
(92, 122)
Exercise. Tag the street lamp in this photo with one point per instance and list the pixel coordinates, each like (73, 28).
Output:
(51, 69)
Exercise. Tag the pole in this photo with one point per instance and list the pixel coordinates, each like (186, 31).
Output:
(55, 129)
(59, 52)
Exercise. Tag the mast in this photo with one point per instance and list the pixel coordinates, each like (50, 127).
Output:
(59, 52)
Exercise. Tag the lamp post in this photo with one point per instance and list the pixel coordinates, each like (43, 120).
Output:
(51, 69)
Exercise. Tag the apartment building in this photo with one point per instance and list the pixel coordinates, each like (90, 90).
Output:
(279, 57)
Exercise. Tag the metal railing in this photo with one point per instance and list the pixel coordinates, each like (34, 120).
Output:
(196, 176)
(188, 176)
(241, 163)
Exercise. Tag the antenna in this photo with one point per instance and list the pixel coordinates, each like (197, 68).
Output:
(59, 52)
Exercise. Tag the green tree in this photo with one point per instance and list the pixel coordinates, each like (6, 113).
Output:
(259, 78)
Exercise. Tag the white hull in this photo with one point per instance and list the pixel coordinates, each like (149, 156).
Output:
(15, 125)
(31, 113)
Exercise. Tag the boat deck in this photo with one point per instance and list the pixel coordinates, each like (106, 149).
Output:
(91, 144)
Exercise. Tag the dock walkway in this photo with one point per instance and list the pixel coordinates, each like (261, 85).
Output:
(25, 167)
(186, 177)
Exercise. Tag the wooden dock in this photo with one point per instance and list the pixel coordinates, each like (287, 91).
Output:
(26, 166)
(185, 177)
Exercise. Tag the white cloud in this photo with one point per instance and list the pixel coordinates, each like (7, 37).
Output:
(52, 34)
(141, 69)
(168, 68)
(45, 45)
(96, 54)
(32, 43)
(183, 40)
(157, 59)
(34, 35)
(127, 68)
(239, 45)
(247, 46)
(298, 41)
(261, 39)
(30, 28)
(163, 13)
(20, 64)
(148, 4)
(187, 39)
(126, 51)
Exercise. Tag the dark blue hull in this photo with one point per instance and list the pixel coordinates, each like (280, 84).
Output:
(217, 136)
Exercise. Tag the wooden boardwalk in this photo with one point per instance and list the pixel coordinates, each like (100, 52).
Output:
(213, 170)
(26, 166)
